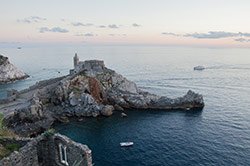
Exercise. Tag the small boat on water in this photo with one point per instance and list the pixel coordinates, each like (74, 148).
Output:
(126, 144)
(123, 115)
(199, 68)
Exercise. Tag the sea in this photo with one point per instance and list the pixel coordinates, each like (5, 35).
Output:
(219, 135)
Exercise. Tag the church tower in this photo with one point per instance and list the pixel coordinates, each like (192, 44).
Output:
(76, 60)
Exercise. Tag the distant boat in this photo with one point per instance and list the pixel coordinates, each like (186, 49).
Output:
(199, 68)
(126, 144)
(19, 48)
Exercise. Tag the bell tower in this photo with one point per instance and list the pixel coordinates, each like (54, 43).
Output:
(76, 60)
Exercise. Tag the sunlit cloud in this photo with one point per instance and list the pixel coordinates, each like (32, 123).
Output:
(32, 19)
(54, 29)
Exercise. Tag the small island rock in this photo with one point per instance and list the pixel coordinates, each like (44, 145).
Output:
(9, 72)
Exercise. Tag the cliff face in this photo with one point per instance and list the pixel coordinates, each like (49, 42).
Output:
(9, 72)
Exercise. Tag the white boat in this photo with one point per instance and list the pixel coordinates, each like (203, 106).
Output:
(126, 144)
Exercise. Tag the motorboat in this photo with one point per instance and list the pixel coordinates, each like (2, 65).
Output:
(126, 144)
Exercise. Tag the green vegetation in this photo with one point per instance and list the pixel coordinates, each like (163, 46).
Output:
(1, 120)
(49, 132)
(6, 149)
(5, 132)
(82, 73)
(12, 147)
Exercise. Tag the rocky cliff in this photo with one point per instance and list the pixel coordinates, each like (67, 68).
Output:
(9, 72)
(91, 90)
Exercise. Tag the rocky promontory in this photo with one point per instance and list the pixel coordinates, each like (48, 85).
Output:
(91, 89)
(9, 72)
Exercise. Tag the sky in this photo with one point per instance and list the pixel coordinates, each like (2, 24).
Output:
(158, 22)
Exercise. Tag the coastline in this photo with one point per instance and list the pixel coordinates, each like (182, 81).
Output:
(89, 90)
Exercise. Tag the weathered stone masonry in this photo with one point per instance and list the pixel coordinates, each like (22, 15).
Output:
(54, 150)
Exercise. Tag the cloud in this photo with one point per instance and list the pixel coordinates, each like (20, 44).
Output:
(102, 26)
(136, 25)
(217, 35)
(44, 29)
(210, 35)
(37, 18)
(170, 34)
(87, 34)
(76, 24)
(32, 19)
(117, 35)
(242, 40)
(55, 29)
(213, 35)
(113, 26)
(244, 34)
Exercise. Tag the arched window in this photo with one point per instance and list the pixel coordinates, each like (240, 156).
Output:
(63, 154)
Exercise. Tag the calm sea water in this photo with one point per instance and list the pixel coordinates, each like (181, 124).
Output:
(218, 135)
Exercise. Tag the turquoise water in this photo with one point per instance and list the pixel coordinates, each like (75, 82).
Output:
(218, 135)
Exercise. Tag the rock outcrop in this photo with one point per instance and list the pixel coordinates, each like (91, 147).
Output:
(9, 72)
(107, 110)
(90, 90)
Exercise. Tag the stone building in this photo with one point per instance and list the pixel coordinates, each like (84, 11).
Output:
(49, 150)
(88, 65)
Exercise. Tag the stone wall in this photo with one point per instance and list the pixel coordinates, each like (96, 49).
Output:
(45, 151)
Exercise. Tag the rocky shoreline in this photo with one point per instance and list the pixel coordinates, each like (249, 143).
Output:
(9, 72)
(90, 90)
